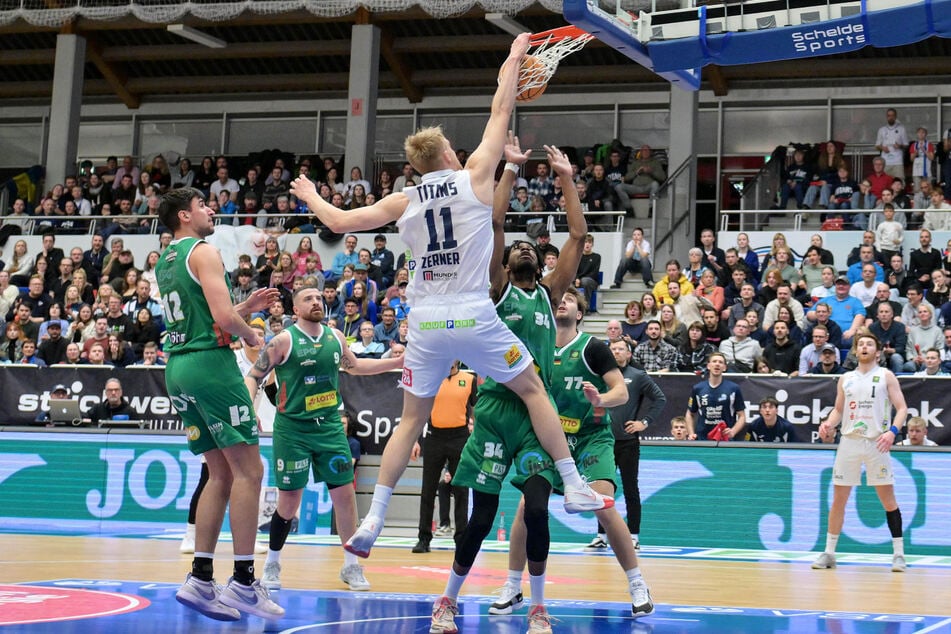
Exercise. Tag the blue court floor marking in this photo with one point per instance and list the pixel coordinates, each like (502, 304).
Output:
(397, 613)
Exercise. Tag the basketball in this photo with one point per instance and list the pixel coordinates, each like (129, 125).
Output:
(531, 71)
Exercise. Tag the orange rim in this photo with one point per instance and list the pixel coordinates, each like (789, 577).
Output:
(559, 34)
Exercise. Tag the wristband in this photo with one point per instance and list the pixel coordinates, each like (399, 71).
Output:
(512, 167)
(894, 430)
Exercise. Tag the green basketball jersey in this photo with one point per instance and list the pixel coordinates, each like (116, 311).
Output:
(187, 315)
(529, 316)
(308, 379)
(571, 370)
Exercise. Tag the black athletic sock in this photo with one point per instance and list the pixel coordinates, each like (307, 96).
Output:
(280, 529)
(203, 568)
(894, 522)
(244, 571)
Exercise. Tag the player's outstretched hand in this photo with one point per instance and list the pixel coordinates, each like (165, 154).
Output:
(261, 299)
(302, 186)
(559, 162)
(591, 393)
(513, 151)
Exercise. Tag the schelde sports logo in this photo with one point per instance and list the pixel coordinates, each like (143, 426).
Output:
(829, 40)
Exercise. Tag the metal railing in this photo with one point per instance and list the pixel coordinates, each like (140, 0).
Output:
(672, 191)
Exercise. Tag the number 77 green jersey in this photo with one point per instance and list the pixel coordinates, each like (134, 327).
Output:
(188, 318)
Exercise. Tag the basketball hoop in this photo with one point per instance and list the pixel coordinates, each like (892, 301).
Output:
(549, 48)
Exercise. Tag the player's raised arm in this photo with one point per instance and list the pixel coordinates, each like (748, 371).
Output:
(272, 355)
(484, 159)
(384, 211)
(515, 157)
(566, 269)
(351, 364)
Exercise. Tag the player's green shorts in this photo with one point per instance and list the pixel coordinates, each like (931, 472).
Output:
(502, 437)
(593, 453)
(299, 447)
(207, 389)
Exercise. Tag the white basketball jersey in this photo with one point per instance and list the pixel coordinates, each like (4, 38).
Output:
(868, 412)
(449, 233)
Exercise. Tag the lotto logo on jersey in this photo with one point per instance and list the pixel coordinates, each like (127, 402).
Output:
(407, 378)
(319, 401)
(513, 356)
(570, 425)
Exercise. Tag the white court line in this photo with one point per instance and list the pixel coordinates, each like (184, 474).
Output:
(932, 628)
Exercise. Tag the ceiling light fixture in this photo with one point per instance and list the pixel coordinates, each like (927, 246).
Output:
(195, 35)
(506, 23)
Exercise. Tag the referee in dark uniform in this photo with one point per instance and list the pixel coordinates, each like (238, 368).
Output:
(627, 422)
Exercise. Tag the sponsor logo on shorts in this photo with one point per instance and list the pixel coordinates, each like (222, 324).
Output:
(570, 425)
(193, 433)
(532, 462)
(498, 469)
(340, 464)
(448, 324)
(407, 378)
(296, 466)
(588, 460)
(513, 356)
(215, 427)
(286, 480)
(319, 401)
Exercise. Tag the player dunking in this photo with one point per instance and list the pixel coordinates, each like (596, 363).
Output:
(863, 405)
(208, 391)
(446, 222)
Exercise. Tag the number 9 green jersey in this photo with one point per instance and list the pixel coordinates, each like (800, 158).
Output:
(188, 318)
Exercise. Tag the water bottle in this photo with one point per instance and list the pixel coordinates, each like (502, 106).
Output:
(500, 534)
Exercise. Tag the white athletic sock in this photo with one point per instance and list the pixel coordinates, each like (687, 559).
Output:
(349, 558)
(898, 546)
(273, 556)
(831, 542)
(381, 500)
(515, 578)
(190, 531)
(633, 573)
(537, 584)
(636, 537)
(603, 536)
(454, 585)
(569, 472)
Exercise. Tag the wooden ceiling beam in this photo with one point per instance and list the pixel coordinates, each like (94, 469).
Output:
(397, 65)
(114, 75)
(719, 83)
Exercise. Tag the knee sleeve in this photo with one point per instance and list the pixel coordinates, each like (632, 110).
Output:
(484, 508)
(536, 492)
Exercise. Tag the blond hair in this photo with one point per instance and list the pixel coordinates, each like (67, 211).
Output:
(917, 421)
(424, 149)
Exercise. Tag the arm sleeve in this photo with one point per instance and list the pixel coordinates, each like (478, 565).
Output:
(598, 357)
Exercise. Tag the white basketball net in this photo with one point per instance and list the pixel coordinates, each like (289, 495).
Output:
(549, 51)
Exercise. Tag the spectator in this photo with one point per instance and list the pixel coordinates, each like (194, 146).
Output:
(714, 331)
(59, 392)
(828, 361)
(709, 292)
(783, 353)
(940, 292)
(150, 355)
(769, 426)
(349, 255)
(113, 406)
(810, 272)
(846, 311)
(916, 297)
(891, 141)
(784, 298)
(865, 289)
(917, 432)
(678, 428)
(795, 181)
(143, 332)
(924, 260)
(350, 325)
(11, 345)
(897, 276)
(120, 352)
(649, 304)
(601, 194)
(224, 182)
(695, 266)
(365, 346)
(932, 364)
(747, 255)
(589, 269)
(661, 292)
(937, 217)
(922, 337)
(399, 303)
(739, 351)
(883, 295)
(744, 304)
(53, 349)
(822, 186)
(673, 330)
(644, 176)
(715, 403)
(809, 356)
(408, 178)
(767, 291)
(382, 259)
(613, 330)
(633, 326)
(28, 354)
(654, 354)
(388, 328)
(695, 351)
(734, 287)
(636, 259)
